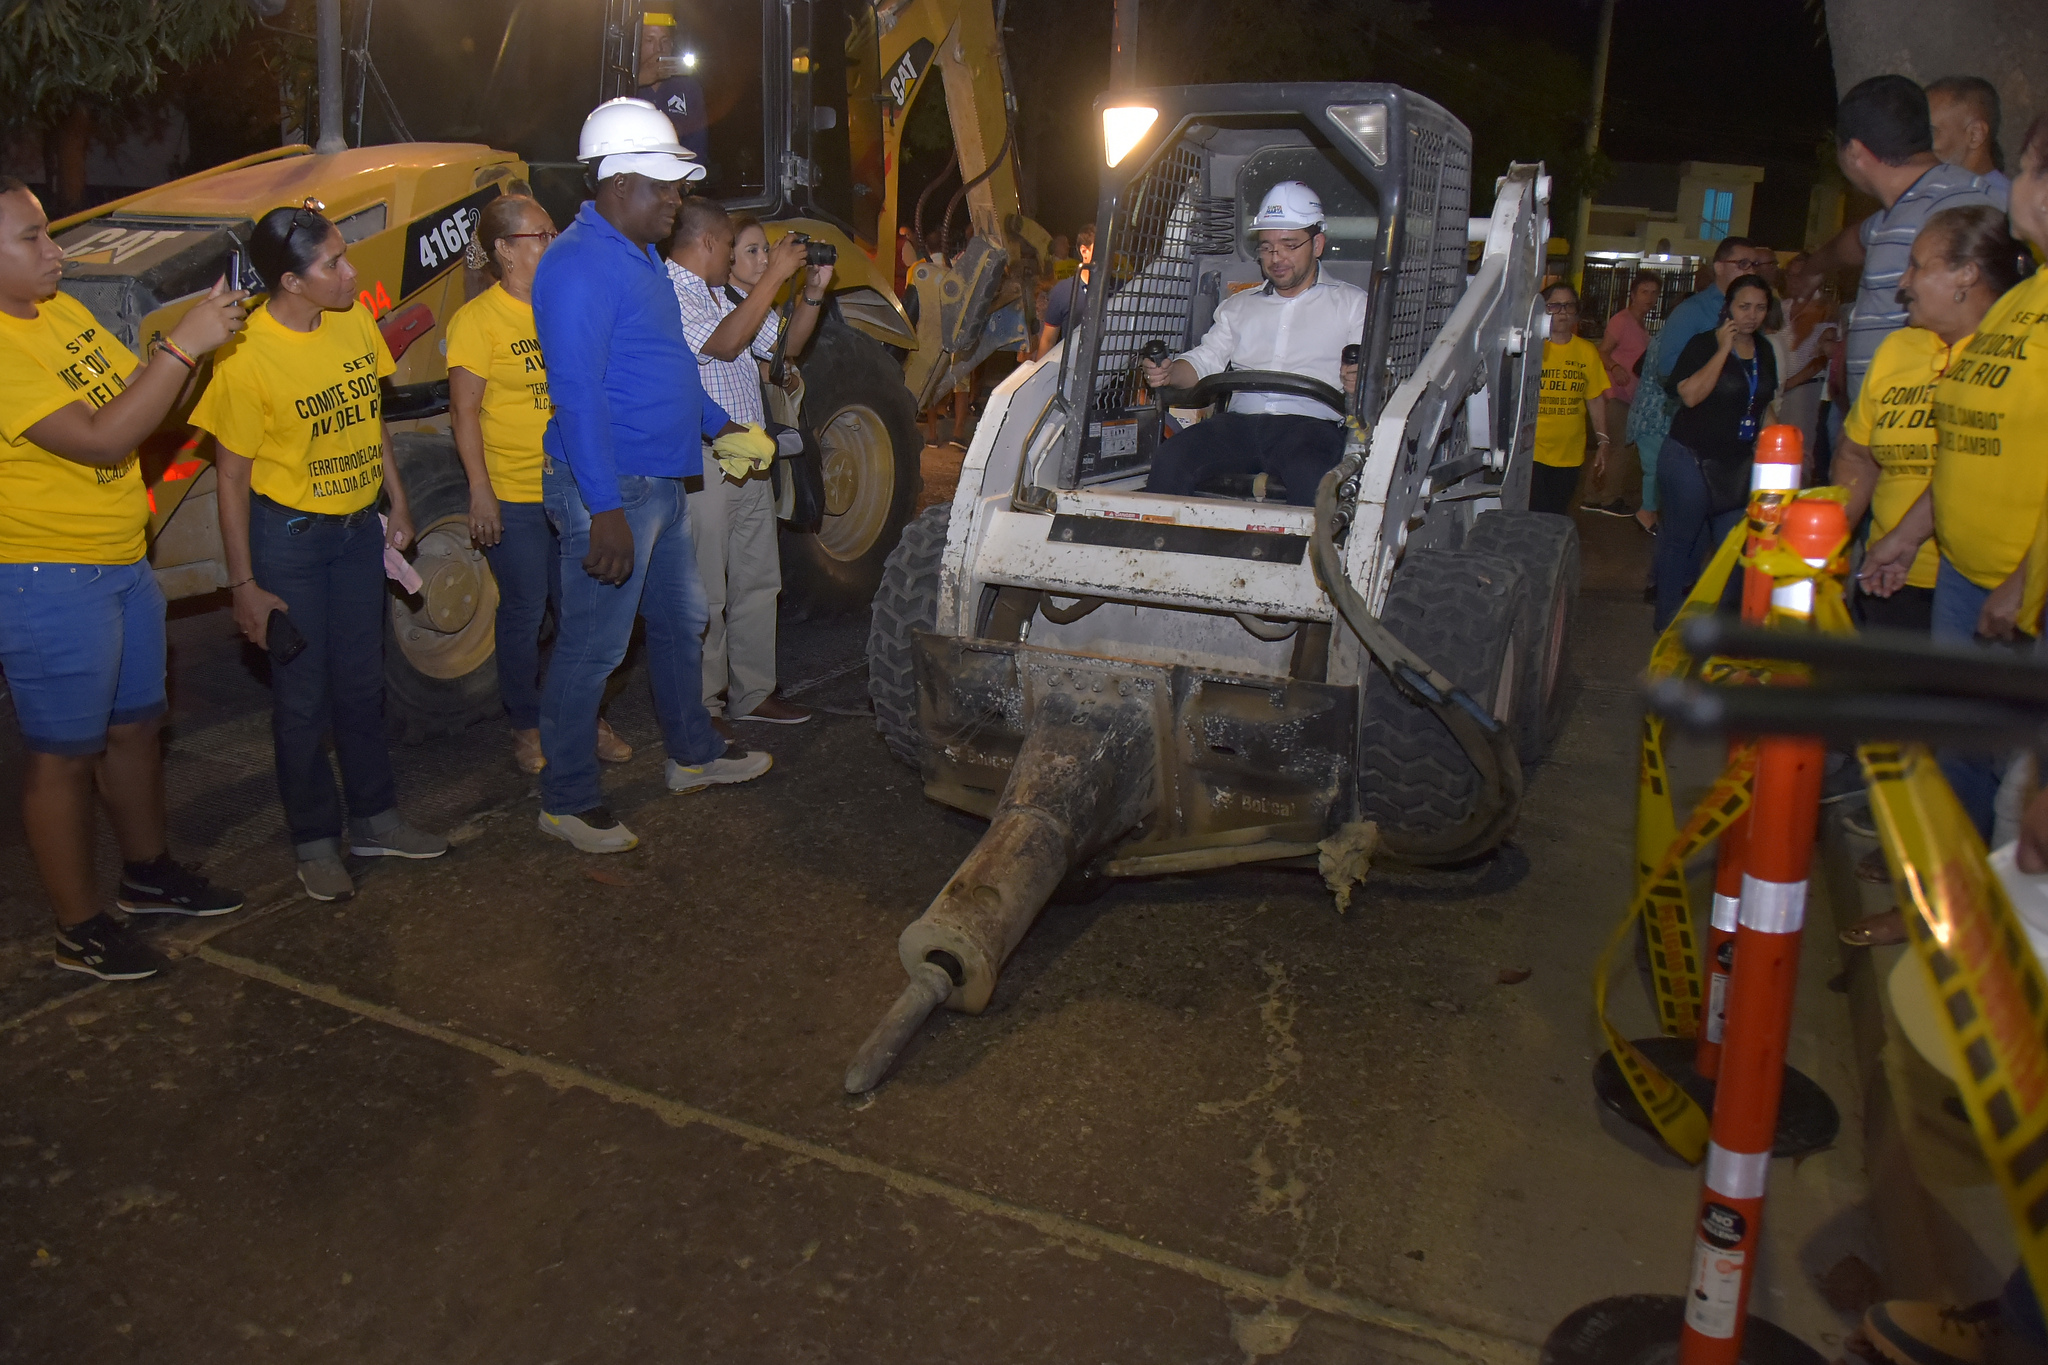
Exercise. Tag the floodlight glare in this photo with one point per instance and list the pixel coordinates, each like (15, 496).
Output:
(1364, 124)
(1123, 129)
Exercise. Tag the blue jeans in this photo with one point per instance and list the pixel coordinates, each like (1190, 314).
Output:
(1688, 529)
(597, 624)
(528, 566)
(331, 577)
(1974, 776)
(83, 649)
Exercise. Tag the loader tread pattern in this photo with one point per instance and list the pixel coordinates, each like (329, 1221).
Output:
(1457, 609)
(906, 602)
(1545, 547)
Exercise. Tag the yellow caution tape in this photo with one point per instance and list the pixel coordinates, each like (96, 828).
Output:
(1993, 996)
(1662, 903)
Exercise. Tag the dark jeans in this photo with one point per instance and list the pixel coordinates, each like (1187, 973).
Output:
(597, 624)
(331, 577)
(1551, 487)
(1974, 776)
(528, 566)
(1297, 450)
(1688, 529)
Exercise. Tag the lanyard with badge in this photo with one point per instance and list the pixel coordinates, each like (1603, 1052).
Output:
(1747, 430)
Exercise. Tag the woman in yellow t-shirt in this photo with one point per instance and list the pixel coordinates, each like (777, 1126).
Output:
(498, 403)
(1990, 480)
(297, 410)
(1574, 378)
(81, 618)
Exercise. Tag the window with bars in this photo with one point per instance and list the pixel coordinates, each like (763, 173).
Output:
(1717, 211)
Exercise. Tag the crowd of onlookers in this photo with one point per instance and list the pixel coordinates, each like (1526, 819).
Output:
(1923, 392)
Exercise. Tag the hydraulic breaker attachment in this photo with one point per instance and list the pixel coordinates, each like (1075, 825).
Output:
(1084, 775)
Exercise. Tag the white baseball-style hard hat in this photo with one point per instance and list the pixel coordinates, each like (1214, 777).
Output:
(1289, 204)
(629, 135)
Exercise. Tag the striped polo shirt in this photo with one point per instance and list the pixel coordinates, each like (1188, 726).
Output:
(1887, 243)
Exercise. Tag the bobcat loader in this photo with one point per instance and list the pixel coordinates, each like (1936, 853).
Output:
(1126, 684)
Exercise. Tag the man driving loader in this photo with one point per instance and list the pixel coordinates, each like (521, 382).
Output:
(1298, 322)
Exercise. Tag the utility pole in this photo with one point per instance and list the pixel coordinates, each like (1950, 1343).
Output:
(1577, 272)
(1123, 52)
(328, 34)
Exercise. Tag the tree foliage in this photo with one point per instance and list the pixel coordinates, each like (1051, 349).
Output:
(54, 53)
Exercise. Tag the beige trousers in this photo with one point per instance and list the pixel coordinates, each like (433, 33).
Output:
(733, 526)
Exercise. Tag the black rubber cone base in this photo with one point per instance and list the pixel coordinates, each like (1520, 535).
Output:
(1807, 1119)
(1642, 1329)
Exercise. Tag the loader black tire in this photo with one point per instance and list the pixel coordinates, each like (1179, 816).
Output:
(865, 423)
(1545, 547)
(437, 684)
(905, 603)
(1464, 613)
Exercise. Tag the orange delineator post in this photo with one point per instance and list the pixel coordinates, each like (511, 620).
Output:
(1783, 818)
(1773, 482)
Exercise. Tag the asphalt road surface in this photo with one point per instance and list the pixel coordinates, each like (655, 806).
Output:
(524, 1105)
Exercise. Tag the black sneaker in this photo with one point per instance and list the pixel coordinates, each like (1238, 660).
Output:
(104, 947)
(168, 887)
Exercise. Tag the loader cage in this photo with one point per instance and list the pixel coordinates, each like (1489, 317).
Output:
(1394, 173)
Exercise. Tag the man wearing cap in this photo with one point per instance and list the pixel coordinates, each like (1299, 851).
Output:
(666, 82)
(1299, 322)
(630, 418)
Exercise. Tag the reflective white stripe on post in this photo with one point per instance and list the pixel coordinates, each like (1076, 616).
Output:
(1737, 1175)
(1773, 907)
(1727, 912)
(1795, 597)
(1774, 478)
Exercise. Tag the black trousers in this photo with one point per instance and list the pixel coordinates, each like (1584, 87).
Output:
(1551, 487)
(1297, 450)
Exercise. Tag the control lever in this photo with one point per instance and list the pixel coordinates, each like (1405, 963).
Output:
(1157, 352)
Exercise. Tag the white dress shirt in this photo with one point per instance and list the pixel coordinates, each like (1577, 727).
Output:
(1257, 329)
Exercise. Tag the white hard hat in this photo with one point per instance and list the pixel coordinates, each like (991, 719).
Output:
(1289, 204)
(626, 134)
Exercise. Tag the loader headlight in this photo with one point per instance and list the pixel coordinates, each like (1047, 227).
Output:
(1364, 124)
(1123, 129)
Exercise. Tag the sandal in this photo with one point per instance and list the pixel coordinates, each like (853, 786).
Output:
(1872, 868)
(1876, 931)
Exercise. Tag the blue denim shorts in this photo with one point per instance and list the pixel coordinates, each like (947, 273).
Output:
(82, 646)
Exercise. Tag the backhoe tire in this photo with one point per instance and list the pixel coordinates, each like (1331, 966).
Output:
(872, 449)
(906, 602)
(440, 646)
(1464, 613)
(1545, 547)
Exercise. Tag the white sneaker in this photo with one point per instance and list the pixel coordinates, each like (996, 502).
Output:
(596, 830)
(734, 765)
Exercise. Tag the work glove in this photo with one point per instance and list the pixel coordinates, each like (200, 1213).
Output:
(741, 453)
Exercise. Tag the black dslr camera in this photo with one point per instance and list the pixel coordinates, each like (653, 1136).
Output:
(817, 253)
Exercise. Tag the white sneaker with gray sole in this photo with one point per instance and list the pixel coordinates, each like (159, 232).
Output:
(734, 765)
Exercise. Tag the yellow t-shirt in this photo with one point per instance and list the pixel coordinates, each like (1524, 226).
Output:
(54, 510)
(305, 407)
(1572, 376)
(1894, 416)
(492, 337)
(1991, 410)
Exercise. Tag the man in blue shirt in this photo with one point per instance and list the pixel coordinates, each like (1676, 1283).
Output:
(1064, 296)
(630, 419)
(664, 64)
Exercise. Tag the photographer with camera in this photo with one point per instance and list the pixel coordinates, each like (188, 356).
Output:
(732, 515)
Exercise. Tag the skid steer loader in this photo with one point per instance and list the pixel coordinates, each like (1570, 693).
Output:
(1127, 684)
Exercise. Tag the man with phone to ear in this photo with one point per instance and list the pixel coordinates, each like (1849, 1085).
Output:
(629, 423)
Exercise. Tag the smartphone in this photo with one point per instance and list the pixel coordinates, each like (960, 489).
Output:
(285, 642)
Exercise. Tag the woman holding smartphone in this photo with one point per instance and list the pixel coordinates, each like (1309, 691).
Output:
(1724, 380)
(296, 407)
(499, 408)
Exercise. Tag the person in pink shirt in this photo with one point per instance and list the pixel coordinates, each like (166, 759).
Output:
(1621, 347)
